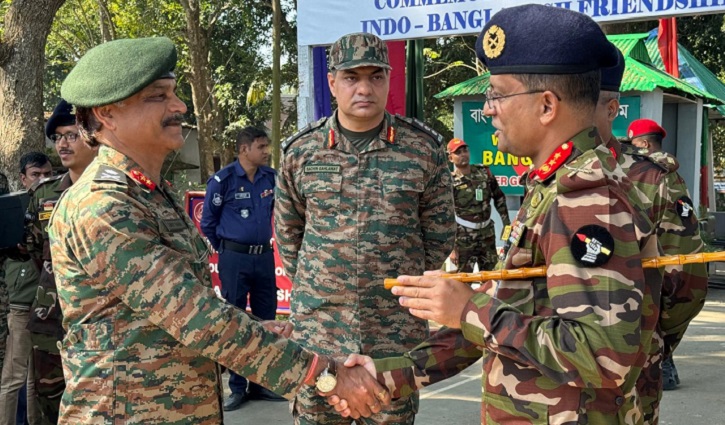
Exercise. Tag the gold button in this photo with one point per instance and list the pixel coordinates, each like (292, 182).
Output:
(59, 345)
(73, 339)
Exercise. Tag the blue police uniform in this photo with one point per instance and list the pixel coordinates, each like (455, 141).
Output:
(237, 219)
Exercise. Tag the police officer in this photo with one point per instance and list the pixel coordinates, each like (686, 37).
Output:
(145, 332)
(361, 195)
(473, 189)
(45, 323)
(237, 220)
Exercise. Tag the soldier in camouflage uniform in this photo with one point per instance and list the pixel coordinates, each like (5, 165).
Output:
(567, 348)
(665, 198)
(360, 195)
(4, 303)
(473, 189)
(45, 315)
(144, 329)
(685, 287)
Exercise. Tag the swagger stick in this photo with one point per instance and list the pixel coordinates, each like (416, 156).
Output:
(522, 273)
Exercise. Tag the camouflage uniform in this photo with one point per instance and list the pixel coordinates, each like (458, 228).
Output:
(144, 329)
(665, 198)
(472, 194)
(45, 315)
(4, 309)
(567, 348)
(345, 220)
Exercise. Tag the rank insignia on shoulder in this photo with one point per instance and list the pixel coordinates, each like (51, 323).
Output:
(109, 174)
(592, 245)
(684, 207)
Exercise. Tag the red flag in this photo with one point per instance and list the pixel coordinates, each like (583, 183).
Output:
(396, 95)
(667, 43)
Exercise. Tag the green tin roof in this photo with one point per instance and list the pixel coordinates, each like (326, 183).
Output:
(640, 74)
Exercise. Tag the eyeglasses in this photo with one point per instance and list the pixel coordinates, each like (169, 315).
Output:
(491, 97)
(70, 137)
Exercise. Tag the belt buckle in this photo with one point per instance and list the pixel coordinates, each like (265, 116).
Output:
(255, 249)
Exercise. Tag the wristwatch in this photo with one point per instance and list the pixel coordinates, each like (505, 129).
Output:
(327, 381)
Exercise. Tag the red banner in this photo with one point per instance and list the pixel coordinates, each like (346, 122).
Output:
(194, 204)
(396, 95)
(667, 44)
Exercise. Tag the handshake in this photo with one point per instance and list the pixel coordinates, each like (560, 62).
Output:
(350, 386)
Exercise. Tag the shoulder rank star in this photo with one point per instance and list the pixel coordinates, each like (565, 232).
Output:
(141, 178)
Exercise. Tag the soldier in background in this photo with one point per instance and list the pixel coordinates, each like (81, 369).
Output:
(21, 274)
(473, 189)
(685, 287)
(568, 347)
(45, 316)
(145, 332)
(360, 195)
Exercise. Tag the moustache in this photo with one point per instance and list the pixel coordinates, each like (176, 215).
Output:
(65, 151)
(174, 120)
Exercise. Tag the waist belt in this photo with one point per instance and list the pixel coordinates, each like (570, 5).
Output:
(246, 249)
(472, 225)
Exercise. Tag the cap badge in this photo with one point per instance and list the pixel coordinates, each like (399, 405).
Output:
(493, 42)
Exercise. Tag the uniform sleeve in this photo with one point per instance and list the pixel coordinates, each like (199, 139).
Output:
(684, 287)
(211, 213)
(289, 217)
(591, 338)
(116, 240)
(499, 199)
(437, 220)
(443, 355)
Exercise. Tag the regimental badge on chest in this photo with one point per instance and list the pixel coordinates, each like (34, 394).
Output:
(244, 213)
(47, 207)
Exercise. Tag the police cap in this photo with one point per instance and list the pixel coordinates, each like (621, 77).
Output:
(116, 70)
(537, 39)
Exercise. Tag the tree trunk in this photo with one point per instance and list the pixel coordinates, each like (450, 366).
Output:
(22, 62)
(209, 121)
(276, 82)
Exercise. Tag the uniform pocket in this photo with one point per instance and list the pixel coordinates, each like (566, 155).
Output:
(323, 195)
(502, 409)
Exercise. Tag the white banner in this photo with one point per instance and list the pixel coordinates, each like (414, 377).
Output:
(321, 22)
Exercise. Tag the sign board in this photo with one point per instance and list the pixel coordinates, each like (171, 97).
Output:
(321, 22)
(629, 109)
(478, 133)
(194, 204)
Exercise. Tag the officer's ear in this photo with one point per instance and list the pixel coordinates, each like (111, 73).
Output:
(612, 109)
(550, 104)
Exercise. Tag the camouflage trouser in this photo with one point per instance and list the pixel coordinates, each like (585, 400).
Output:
(649, 383)
(49, 381)
(309, 408)
(476, 245)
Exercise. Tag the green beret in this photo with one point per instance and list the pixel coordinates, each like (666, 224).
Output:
(116, 70)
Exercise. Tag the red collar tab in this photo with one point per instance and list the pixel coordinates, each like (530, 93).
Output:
(556, 160)
(330, 139)
(614, 152)
(391, 134)
(141, 178)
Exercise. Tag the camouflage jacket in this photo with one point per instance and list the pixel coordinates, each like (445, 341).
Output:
(567, 348)
(144, 327)
(345, 220)
(45, 314)
(473, 193)
(664, 195)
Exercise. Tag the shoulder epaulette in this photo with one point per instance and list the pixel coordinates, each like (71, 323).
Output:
(44, 181)
(110, 174)
(306, 129)
(222, 174)
(663, 160)
(420, 125)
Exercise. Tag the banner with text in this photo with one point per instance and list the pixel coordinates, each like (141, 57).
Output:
(321, 22)
(194, 204)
